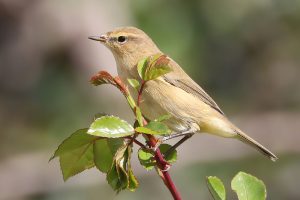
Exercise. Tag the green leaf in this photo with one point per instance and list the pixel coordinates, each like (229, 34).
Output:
(154, 66)
(159, 127)
(104, 151)
(132, 181)
(117, 178)
(77, 140)
(154, 128)
(158, 66)
(121, 176)
(248, 187)
(146, 159)
(163, 118)
(216, 188)
(133, 82)
(111, 127)
(172, 156)
(76, 153)
(76, 161)
(121, 157)
(141, 67)
(143, 129)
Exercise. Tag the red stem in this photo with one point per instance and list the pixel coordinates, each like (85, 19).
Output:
(163, 165)
(175, 193)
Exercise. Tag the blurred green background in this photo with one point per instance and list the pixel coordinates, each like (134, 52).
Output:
(246, 54)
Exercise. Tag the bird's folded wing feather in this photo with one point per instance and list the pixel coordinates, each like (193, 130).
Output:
(178, 78)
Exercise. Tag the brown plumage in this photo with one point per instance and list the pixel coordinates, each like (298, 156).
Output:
(174, 93)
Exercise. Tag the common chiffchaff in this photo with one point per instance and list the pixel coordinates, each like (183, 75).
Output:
(175, 93)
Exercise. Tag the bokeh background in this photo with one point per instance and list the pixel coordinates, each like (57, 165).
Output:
(246, 54)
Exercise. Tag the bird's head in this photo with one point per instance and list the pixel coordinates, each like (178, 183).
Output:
(128, 44)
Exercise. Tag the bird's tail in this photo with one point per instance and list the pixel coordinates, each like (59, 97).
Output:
(248, 140)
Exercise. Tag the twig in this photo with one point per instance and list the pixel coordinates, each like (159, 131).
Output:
(133, 140)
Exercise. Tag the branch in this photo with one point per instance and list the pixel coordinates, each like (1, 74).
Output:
(163, 165)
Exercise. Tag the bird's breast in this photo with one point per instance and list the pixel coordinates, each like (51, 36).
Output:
(160, 99)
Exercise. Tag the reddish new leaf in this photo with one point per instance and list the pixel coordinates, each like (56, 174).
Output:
(103, 77)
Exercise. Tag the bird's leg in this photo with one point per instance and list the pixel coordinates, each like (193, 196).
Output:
(178, 134)
(182, 140)
(187, 133)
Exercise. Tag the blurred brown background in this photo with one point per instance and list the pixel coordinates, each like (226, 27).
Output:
(246, 54)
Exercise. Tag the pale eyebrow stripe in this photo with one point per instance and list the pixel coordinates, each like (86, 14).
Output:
(129, 35)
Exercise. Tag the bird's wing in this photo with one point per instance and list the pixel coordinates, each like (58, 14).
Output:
(178, 78)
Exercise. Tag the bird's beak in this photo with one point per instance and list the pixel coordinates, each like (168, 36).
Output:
(101, 38)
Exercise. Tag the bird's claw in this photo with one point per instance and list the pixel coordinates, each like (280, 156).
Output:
(158, 143)
(167, 168)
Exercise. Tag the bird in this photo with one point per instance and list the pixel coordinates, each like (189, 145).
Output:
(190, 108)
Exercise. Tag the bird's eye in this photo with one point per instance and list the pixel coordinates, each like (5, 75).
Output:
(122, 39)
